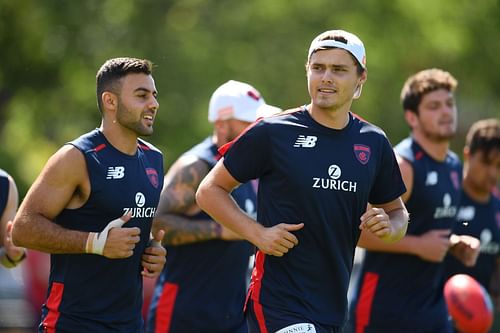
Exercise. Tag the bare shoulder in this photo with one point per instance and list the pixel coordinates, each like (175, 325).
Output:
(65, 178)
(188, 170)
(406, 169)
(67, 164)
(180, 185)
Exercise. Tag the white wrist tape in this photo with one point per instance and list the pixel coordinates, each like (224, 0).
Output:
(153, 242)
(96, 241)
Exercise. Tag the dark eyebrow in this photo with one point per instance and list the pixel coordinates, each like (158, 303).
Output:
(317, 64)
(336, 66)
(340, 66)
(146, 90)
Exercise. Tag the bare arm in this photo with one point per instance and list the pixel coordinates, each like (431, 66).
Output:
(386, 222)
(213, 196)
(178, 199)
(63, 183)
(431, 246)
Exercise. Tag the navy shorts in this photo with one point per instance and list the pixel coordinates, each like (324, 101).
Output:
(264, 320)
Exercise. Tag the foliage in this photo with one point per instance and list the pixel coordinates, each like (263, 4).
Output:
(51, 50)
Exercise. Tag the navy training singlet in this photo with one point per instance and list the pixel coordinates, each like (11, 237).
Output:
(481, 220)
(324, 178)
(402, 292)
(88, 292)
(202, 287)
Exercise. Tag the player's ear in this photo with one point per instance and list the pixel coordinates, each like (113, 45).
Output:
(466, 153)
(363, 77)
(109, 100)
(411, 118)
(359, 86)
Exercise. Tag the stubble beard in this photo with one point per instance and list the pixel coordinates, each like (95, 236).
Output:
(440, 137)
(136, 126)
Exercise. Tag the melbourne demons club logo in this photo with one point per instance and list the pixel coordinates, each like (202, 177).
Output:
(153, 177)
(362, 153)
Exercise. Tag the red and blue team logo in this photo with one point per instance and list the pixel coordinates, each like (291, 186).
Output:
(362, 153)
(153, 177)
(455, 179)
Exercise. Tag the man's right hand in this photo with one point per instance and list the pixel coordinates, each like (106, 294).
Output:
(279, 239)
(115, 242)
(434, 244)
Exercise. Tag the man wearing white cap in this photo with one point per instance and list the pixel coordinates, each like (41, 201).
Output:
(318, 167)
(203, 285)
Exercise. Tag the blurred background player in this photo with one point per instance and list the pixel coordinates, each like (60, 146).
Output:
(10, 255)
(479, 210)
(15, 315)
(400, 287)
(202, 287)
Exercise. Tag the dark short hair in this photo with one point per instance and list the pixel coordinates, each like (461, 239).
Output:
(113, 70)
(484, 135)
(422, 83)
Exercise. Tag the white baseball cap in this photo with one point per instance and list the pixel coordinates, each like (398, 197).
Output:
(238, 100)
(354, 45)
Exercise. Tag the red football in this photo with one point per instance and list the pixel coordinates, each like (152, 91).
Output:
(469, 304)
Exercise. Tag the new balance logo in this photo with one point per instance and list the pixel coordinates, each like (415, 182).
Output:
(306, 141)
(116, 172)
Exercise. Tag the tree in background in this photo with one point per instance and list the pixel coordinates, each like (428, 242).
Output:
(49, 50)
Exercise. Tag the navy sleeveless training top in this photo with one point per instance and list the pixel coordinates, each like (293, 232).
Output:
(91, 293)
(202, 287)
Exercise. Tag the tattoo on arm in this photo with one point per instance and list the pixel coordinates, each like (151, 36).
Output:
(181, 183)
(178, 201)
(179, 230)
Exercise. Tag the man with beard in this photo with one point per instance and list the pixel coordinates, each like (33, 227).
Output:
(400, 284)
(202, 287)
(92, 208)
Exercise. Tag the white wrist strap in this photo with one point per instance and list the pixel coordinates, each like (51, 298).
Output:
(96, 241)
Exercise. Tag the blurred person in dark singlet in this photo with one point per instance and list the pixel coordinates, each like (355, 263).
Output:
(479, 209)
(400, 286)
(203, 285)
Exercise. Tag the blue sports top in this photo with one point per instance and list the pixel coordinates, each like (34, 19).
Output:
(202, 287)
(481, 220)
(324, 178)
(88, 292)
(403, 291)
(4, 190)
